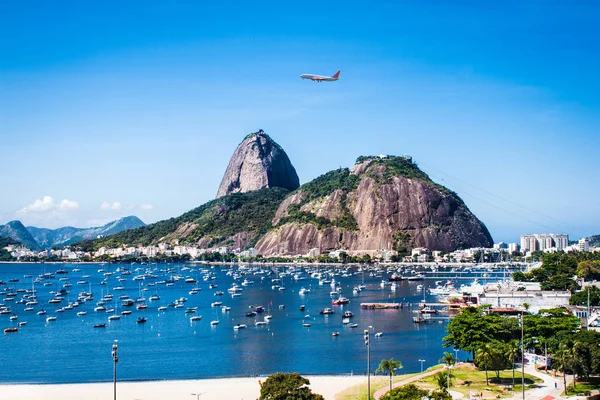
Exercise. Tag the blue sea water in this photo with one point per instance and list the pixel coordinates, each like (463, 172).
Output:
(169, 346)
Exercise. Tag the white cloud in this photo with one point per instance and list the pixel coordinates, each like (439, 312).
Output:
(147, 207)
(68, 205)
(47, 204)
(111, 206)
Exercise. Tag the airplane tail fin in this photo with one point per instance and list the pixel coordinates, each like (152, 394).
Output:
(336, 75)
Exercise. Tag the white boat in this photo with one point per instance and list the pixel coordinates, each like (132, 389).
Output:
(259, 323)
(304, 291)
(114, 317)
(196, 318)
(239, 326)
(379, 334)
(215, 322)
(50, 319)
(81, 313)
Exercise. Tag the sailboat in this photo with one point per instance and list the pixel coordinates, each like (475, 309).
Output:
(115, 316)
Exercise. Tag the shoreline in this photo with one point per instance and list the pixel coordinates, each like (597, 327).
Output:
(210, 389)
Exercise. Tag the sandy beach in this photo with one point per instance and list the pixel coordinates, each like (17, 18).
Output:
(210, 389)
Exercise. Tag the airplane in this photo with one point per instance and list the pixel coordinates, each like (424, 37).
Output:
(321, 78)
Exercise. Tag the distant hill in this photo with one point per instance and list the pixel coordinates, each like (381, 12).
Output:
(236, 220)
(594, 240)
(48, 238)
(16, 231)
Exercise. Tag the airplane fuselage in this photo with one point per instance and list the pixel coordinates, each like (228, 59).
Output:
(321, 78)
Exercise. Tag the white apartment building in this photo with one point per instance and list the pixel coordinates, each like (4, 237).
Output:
(583, 245)
(512, 247)
(541, 242)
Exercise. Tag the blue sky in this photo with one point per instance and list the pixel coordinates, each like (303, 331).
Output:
(119, 108)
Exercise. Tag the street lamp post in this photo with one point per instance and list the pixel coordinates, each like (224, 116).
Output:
(115, 361)
(455, 355)
(449, 369)
(368, 344)
(421, 361)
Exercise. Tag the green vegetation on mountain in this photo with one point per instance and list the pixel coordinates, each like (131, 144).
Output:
(559, 269)
(402, 167)
(342, 179)
(594, 240)
(6, 241)
(18, 232)
(219, 220)
(320, 187)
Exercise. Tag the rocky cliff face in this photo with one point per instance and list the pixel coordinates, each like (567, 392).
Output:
(258, 162)
(379, 204)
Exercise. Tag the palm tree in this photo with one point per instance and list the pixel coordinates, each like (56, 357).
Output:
(390, 366)
(448, 358)
(561, 360)
(442, 381)
(484, 356)
(512, 352)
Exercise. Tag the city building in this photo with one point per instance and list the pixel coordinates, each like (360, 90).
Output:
(514, 247)
(583, 245)
(542, 242)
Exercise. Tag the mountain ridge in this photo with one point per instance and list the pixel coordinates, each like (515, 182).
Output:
(334, 210)
(381, 203)
(64, 236)
(17, 231)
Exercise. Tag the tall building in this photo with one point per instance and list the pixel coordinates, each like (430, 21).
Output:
(544, 241)
(583, 245)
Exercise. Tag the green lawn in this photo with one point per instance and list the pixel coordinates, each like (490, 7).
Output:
(467, 379)
(359, 392)
(584, 387)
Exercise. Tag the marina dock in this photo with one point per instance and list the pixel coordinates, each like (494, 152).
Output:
(380, 306)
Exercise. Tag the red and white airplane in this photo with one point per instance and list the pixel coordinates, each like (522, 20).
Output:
(321, 78)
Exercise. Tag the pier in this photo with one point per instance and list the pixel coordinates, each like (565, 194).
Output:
(380, 306)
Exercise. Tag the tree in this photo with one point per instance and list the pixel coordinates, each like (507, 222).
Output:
(512, 351)
(448, 358)
(389, 366)
(581, 298)
(484, 356)
(282, 386)
(406, 392)
(468, 330)
(441, 379)
(561, 361)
